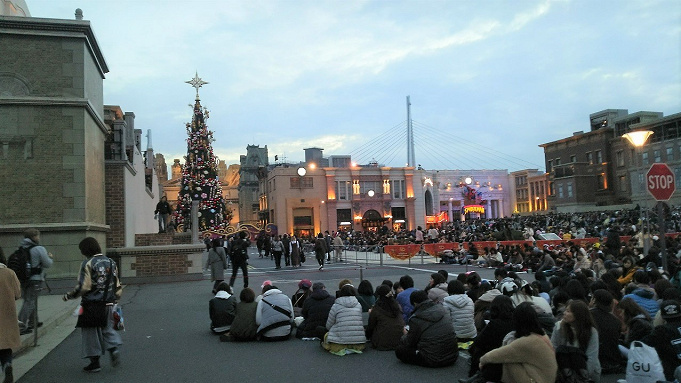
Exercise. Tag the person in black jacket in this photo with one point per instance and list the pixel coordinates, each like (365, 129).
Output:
(315, 311)
(239, 257)
(430, 339)
(222, 309)
(666, 338)
(608, 326)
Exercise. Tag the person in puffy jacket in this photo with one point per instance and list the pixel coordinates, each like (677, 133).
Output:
(222, 309)
(315, 312)
(345, 325)
(430, 340)
(438, 288)
(385, 320)
(460, 307)
(274, 315)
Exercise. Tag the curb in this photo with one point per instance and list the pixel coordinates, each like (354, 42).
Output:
(50, 323)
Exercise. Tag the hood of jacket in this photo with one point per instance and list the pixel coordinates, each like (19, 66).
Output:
(223, 295)
(429, 311)
(271, 292)
(26, 242)
(458, 300)
(489, 295)
(646, 293)
(319, 295)
(348, 302)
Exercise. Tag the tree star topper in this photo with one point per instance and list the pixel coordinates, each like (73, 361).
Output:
(196, 82)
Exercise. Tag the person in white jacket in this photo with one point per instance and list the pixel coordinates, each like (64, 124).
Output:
(460, 307)
(346, 328)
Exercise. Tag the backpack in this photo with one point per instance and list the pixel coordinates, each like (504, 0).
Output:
(239, 251)
(571, 365)
(19, 262)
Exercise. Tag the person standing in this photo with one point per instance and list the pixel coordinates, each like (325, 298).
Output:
(286, 241)
(295, 252)
(277, 251)
(338, 247)
(10, 291)
(163, 211)
(40, 260)
(239, 257)
(98, 285)
(329, 241)
(320, 250)
(216, 263)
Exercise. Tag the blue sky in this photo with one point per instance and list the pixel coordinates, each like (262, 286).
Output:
(489, 81)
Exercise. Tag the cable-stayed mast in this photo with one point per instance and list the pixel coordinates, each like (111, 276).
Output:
(411, 158)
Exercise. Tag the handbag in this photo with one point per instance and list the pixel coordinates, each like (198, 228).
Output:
(95, 313)
(643, 364)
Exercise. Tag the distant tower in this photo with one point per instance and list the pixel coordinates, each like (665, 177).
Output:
(411, 158)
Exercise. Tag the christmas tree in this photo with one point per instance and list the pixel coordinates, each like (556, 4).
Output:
(200, 175)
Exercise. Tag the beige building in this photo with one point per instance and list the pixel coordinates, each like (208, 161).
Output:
(529, 191)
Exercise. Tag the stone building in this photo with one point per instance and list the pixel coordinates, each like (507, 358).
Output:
(529, 191)
(600, 170)
(57, 143)
(252, 166)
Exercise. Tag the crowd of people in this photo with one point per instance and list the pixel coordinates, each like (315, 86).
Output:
(588, 303)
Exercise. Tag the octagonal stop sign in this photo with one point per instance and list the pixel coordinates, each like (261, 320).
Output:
(660, 181)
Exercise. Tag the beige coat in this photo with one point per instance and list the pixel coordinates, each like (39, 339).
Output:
(527, 359)
(10, 291)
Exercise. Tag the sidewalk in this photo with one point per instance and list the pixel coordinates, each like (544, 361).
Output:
(58, 323)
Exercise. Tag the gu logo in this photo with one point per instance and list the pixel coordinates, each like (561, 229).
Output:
(636, 366)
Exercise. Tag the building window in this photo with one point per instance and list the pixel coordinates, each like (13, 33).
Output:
(644, 158)
(657, 156)
(301, 183)
(590, 158)
(342, 190)
(560, 191)
(365, 186)
(355, 186)
(620, 157)
(670, 154)
(602, 181)
(549, 166)
(569, 189)
(573, 158)
(599, 157)
(557, 161)
(386, 186)
(398, 189)
(552, 190)
(677, 175)
(255, 208)
(623, 183)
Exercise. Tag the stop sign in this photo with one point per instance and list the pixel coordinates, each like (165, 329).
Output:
(660, 181)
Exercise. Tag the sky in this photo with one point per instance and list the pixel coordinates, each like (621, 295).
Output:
(488, 81)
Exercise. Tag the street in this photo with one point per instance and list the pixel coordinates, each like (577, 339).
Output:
(167, 338)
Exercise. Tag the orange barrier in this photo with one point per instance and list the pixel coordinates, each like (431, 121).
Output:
(436, 249)
(401, 252)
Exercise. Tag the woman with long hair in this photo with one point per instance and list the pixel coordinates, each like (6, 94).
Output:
(385, 320)
(636, 320)
(529, 357)
(346, 329)
(577, 329)
(628, 270)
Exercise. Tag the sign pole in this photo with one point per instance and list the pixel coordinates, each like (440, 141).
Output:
(663, 230)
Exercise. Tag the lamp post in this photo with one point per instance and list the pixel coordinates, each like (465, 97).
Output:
(638, 139)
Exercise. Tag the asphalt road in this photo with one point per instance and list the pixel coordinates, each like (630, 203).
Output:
(167, 338)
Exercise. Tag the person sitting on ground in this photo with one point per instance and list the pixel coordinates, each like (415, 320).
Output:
(665, 338)
(397, 289)
(461, 310)
(385, 321)
(490, 338)
(628, 270)
(482, 305)
(315, 313)
(429, 338)
(274, 315)
(345, 326)
(438, 288)
(365, 295)
(636, 319)
(609, 330)
(643, 296)
(525, 293)
(299, 297)
(342, 283)
(474, 289)
(406, 283)
(222, 309)
(577, 330)
(243, 327)
(530, 356)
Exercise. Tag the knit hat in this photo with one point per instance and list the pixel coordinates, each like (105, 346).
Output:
(670, 309)
(266, 283)
(318, 286)
(304, 284)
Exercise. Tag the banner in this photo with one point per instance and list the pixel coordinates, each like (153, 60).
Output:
(401, 252)
(436, 249)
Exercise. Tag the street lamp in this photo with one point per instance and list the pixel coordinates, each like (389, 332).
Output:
(302, 171)
(638, 139)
